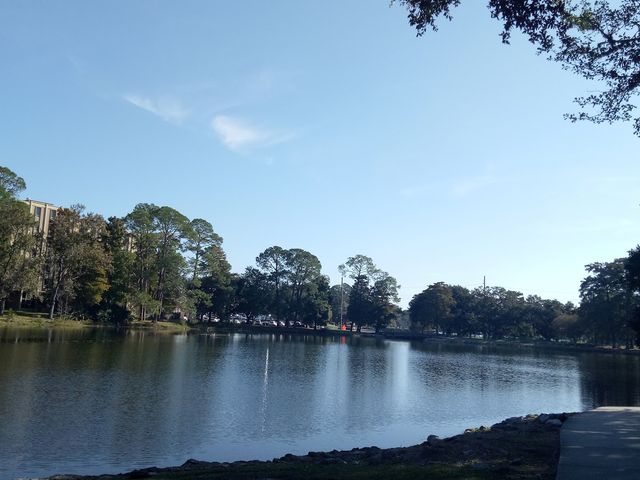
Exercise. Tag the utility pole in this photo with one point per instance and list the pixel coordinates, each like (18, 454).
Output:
(484, 303)
(341, 298)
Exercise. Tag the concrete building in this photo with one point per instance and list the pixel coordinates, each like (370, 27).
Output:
(44, 214)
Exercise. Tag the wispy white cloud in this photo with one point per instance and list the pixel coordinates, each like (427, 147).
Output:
(239, 135)
(167, 108)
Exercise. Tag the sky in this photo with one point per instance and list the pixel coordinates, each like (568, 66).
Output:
(327, 126)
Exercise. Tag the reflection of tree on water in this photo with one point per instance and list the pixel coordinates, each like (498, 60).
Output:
(609, 379)
(155, 399)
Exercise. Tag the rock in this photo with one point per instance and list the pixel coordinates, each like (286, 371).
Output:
(376, 459)
(193, 463)
(140, 474)
(543, 418)
(332, 461)
(433, 440)
(505, 425)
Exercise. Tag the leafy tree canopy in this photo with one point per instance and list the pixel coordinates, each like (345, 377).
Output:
(10, 183)
(597, 39)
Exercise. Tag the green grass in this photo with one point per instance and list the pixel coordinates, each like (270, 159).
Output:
(30, 320)
(159, 326)
(41, 320)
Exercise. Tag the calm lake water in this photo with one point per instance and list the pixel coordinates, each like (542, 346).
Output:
(102, 402)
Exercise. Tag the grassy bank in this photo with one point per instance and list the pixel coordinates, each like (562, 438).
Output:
(169, 327)
(19, 320)
(36, 321)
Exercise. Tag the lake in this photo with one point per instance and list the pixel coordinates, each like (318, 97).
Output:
(99, 401)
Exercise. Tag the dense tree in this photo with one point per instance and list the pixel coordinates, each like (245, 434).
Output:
(372, 293)
(19, 266)
(214, 290)
(172, 228)
(568, 326)
(632, 270)
(357, 266)
(432, 308)
(500, 313)
(314, 304)
(596, 39)
(495, 312)
(75, 261)
(384, 293)
(200, 239)
(607, 303)
(273, 262)
(252, 296)
(292, 285)
(303, 275)
(464, 319)
(159, 235)
(139, 224)
(538, 314)
(10, 183)
(209, 287)
(339, 301)
(360, 307)
(120, 274)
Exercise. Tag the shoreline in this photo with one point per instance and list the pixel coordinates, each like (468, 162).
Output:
(519, 447)
(35, 322)
(38, 322)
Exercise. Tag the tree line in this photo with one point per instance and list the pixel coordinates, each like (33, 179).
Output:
(608, 314)
(155, 263)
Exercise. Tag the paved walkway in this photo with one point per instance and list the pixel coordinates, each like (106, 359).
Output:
(602, 444)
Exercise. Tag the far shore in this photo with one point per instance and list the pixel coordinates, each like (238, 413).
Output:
(36, 321)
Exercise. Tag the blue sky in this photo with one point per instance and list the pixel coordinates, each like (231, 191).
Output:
(321, 125)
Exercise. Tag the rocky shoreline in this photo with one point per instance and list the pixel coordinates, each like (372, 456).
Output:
(516, 448)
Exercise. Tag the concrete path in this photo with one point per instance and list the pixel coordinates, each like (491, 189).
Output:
(602, 444)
